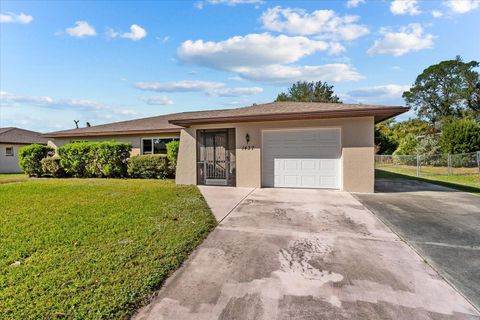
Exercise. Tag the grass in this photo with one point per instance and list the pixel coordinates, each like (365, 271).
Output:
(12, 177)
(468, 183)
(93, 248)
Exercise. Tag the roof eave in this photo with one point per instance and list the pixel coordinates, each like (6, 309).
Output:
(108, 133)
(378, 114)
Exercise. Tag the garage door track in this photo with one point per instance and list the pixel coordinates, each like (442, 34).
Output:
(305, 254)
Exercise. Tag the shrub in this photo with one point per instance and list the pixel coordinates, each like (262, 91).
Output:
(460, 135)
(75, 158)
(95, 159)
(172, 154)
(154, 166)
(407, 146)
(111, 159)
(30, 157)
(51, 167)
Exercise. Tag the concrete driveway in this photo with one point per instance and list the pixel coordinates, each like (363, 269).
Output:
(441, 223)
(305, 254)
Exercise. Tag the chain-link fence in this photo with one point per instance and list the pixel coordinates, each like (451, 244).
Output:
(436, 164)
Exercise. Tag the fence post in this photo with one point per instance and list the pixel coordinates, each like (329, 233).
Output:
(478, 161)
(449, 163)
(418, 165)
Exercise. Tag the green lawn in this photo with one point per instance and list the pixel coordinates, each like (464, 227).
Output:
(93, 248)
(12, 177)
(468, 183)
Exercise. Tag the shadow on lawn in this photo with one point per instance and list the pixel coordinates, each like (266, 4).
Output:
(419, 184)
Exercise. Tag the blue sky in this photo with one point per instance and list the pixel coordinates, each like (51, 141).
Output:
(105, 61)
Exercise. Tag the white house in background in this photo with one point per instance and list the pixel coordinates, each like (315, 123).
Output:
(11, 140)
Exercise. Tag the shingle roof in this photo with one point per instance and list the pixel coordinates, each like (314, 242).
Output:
(262, 112)
(288, 111)
(20, 136)
(152, 124)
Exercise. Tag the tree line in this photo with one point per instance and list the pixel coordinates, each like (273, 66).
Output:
(446, 101)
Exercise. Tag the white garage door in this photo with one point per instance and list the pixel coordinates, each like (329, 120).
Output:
(301, 158)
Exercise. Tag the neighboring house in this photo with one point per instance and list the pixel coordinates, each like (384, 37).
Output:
(11, 140)
(279, 144)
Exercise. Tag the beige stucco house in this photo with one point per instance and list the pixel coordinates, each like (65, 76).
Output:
(11, 140)
(279, 144)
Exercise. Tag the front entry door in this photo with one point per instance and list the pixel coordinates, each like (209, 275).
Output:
(216, 158)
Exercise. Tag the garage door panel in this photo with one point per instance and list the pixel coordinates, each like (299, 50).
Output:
(302, 158)
(308, 164)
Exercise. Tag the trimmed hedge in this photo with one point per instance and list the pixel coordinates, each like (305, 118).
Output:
(30, 157)
(51, 167)
(154, 166)
(95, 159)
(172, 154)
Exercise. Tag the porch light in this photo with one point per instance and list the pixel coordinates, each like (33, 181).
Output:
(247, 138)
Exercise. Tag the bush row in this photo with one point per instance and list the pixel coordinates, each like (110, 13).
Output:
(96, 160)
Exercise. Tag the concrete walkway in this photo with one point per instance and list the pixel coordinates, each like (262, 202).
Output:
(222, 200)
(305, 254)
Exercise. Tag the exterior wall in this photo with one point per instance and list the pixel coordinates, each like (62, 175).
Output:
(357, 151)
(9, 164)
(134, 140)
(187, 158)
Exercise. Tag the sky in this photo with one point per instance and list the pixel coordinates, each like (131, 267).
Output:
(107, 61)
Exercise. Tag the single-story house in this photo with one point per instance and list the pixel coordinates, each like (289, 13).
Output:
(278, 144)
(11, 140)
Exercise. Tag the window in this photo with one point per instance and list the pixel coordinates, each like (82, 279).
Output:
(156, 145)
(9, 151)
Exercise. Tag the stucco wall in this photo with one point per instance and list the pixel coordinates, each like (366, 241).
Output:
(9, 164)
(134, 140)
(357, 151)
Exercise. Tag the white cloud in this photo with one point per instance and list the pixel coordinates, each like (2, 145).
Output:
(436, 13)
(207, 87)
(201, 4)
(235, 92)
(8, 99)
(323, 23)
(462, 6)
(136, 33)
(81, 29)
(380, 93)
(409, 38)
(282, 74)
(249, 51)
(110, 33)
(157, 100)
(15, 18)
(179, 86)
(251, 57)
(401, 7)
(354, 3)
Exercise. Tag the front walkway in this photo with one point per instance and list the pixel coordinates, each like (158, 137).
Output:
(305, 254)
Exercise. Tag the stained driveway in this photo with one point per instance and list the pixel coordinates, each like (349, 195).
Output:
(305, 254)
(442, 224)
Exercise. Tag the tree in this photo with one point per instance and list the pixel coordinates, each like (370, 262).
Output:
(448, 88)
(303, 91)
(385, 143)
(391, 135)
(460, 135)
